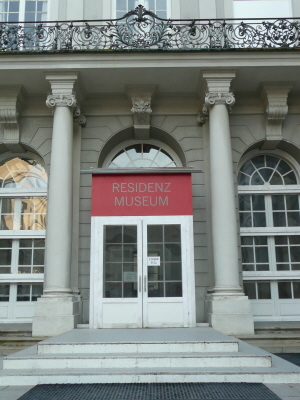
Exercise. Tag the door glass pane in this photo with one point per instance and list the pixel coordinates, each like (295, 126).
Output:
(155, 289)
(263, 290)
(5, 255)
(296, 287)
(164, 273)
(173, 289)
(285, 290)
(4, 292)
(250, 290)
(120, 261)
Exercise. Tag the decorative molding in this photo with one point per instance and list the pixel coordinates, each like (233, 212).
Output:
(276, 109)
(81, 120)
(141, 96)
(11, 103)
(61, 100)
(203, 116)
(214, 98)
(140, 105)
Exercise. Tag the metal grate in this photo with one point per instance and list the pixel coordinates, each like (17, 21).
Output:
(152, 391)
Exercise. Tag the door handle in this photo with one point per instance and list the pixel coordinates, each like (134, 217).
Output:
(145, 282)
(140, 283)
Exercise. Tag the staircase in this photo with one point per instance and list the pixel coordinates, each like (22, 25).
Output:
(144, 355)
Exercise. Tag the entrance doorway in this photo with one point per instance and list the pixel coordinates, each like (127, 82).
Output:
(142, 272)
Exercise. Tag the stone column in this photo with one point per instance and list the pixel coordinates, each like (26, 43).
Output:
(57, 310)
(228, 308)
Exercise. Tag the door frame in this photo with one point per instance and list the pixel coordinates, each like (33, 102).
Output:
(96, 273)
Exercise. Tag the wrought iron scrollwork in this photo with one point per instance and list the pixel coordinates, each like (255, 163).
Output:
(141, 29)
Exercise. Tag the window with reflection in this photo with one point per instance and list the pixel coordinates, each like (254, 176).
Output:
(269, 209)
(23, 207)
(142, 155)
(23, 11)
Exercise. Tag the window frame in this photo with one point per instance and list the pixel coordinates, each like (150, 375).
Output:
(123, 145)
(273, 275)
(21, 19)
(141, 2)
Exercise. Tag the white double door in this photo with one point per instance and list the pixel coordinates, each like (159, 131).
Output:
(142, 272)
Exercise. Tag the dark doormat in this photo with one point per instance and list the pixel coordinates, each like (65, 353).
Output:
(151, 391)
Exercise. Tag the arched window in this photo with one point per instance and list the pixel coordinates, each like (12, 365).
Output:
(23, 202)
(269, 208)
(142, 155)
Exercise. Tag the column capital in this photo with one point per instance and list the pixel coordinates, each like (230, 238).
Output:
(219, 98)
(61, 100)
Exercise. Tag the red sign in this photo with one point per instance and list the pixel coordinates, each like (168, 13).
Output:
(141, 194)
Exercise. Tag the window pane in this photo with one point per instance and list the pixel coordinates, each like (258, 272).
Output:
(295, 253)
(173, 289)
(284, 290)
(155, 233)
(247, 255)
(172, 233)
(259, 219)
(293, 218)
(263, 290)
(130, 290)
(130, 234)
(113, 272)
(279, 219)
(129, 253)
(38, 256)
(283, 167)
(278, 202)
(296, 287)
(113, 253)
(5, 256)
(173, 271)
(37, 291)
(23, 293)
(172, 252)
(244, 203)
(250, 290)
(261, 254)
(4, 293)
(113, 234)
(257, 179)
(292, 202)
(113, 290)
(155, 289)
(7, 222)
(25, 257)
(245, 220)
(248, 168)
(282, 254)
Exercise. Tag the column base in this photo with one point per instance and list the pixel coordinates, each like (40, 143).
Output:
(56, 314)
(230, 314)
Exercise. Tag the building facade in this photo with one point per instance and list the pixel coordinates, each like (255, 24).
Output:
(165, 155)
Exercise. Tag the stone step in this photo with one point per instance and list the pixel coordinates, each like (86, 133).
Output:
(157, 375)
(150, 347)
(136, 361)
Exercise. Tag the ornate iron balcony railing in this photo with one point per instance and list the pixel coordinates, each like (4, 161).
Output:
(141, 29)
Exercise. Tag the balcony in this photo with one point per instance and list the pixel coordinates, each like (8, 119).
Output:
(140, 29)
